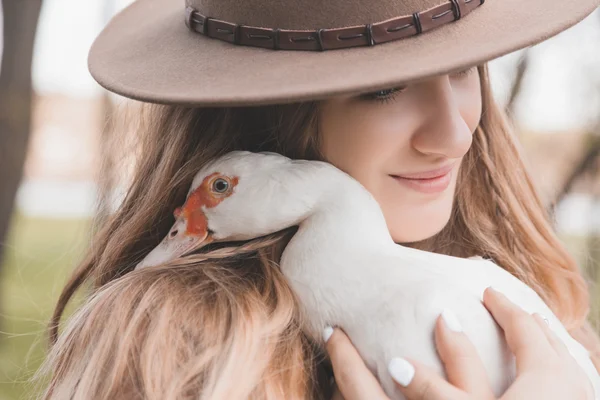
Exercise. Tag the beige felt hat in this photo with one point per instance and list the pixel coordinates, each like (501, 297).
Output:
(240, 52)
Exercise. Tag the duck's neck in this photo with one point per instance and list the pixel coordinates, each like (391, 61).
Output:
(344, 219)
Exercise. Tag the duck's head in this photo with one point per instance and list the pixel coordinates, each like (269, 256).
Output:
(235, 197)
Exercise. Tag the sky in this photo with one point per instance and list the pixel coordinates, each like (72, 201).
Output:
(556, 94)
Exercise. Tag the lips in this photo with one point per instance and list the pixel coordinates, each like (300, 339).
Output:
(431, 174)
(432, 181)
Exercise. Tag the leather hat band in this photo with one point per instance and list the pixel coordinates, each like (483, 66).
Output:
(329, 39)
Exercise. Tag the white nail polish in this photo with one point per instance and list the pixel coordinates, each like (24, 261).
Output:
(451, 320)
(401, 370)
(501, 291)
(495, 288)
(483, 293)
(327, 332)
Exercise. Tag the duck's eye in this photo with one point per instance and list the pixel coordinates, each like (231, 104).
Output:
(220, 185)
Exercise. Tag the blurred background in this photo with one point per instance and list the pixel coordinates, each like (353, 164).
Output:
(55, 146)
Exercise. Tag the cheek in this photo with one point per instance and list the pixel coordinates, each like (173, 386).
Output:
(360, 139)
(412, 218)
(472, 115)
(471, 102)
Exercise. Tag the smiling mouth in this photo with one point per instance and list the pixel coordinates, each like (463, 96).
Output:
(435, 184)
(428, 175)
(419, 179)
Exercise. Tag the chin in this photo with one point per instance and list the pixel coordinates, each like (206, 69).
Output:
(404, 231)
(413, 237)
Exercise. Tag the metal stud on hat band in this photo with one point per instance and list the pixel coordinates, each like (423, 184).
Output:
(323, 39)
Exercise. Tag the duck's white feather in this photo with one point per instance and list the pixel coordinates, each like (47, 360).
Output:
(347, 271)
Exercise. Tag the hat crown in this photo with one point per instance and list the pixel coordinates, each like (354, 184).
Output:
(308, 14)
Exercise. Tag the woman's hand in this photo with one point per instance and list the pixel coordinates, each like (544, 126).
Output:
(545, 369)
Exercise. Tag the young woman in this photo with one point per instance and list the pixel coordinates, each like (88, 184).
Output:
(412, 119)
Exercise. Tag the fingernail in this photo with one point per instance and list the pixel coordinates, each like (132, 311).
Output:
(492, 288)
(483, 293)
(327, 332)
(451, 320)
(401, 370)
(497, 290)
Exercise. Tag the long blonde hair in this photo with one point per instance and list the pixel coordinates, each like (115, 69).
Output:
(224, 324)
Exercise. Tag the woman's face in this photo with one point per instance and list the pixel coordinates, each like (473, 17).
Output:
(387, 139)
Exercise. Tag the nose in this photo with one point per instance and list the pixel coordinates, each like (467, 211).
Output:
(442, 130)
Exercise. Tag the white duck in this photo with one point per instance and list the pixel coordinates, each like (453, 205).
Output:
(345, 268)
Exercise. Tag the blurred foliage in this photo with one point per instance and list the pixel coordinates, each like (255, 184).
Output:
(586, 251)
(40, 254)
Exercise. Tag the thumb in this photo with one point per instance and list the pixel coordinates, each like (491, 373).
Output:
(419, 382)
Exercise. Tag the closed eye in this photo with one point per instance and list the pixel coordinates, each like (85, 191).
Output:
(387, 95)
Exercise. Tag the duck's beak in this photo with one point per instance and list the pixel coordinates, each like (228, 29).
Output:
(184, 237)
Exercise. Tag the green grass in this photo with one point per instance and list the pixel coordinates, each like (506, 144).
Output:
(40, 254)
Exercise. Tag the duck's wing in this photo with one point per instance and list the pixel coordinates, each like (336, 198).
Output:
(416, 299)
(485, 273)
(400, 322)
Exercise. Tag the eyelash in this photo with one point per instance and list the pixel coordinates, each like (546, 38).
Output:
(389, 94)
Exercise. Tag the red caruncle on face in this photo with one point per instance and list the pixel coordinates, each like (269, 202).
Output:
(206, 195)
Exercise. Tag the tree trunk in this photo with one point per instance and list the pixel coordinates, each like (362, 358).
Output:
(20, 23)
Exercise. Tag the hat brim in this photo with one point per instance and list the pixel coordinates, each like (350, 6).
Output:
(147, 53)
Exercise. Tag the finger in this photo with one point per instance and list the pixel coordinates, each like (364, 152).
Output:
(418, 382)
(464, 367)
(523, 335)
(352, 376)
(554, 341)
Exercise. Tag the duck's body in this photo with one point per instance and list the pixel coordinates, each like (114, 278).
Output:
(347, 271)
